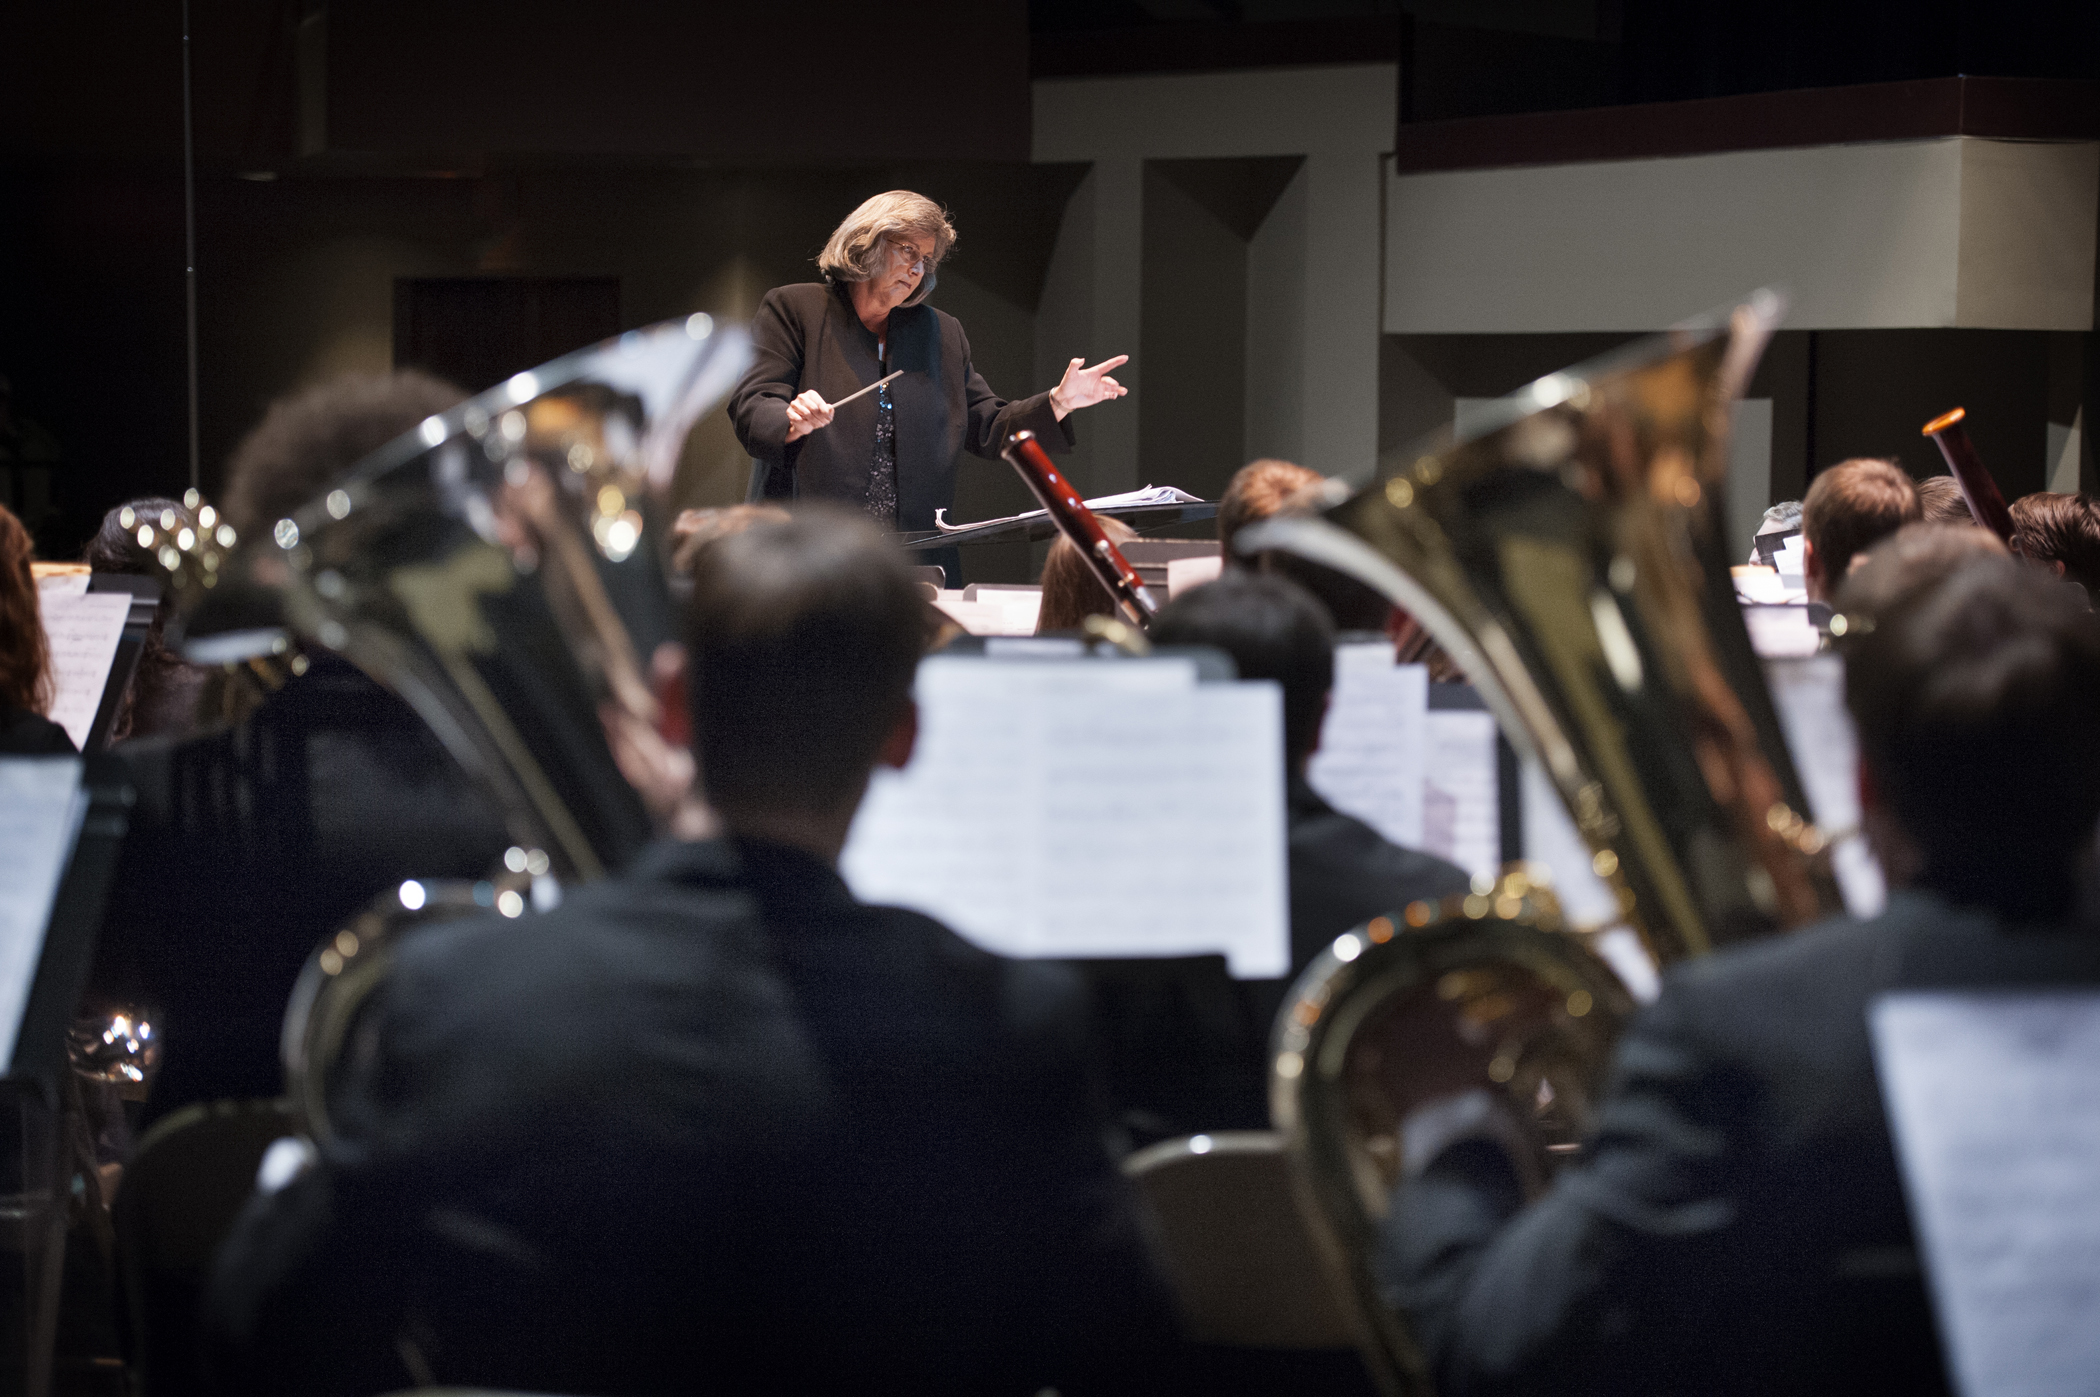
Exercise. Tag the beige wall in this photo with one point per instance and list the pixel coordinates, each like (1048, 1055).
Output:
(1306, 278)
(1953, 232)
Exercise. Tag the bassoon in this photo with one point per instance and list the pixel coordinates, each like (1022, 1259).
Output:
(1977, 487)
(1060, 500)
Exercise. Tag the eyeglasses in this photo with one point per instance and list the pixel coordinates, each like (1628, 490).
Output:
(907, 258)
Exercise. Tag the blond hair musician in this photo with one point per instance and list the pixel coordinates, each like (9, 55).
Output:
(893, 451)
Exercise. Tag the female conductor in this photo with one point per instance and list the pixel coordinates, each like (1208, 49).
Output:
(892, 451)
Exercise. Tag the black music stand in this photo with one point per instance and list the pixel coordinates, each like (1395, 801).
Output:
(145, 600)
(32, 1135)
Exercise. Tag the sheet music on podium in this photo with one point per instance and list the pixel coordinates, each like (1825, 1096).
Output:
(41, 807)
(1994, 1102)
(83, 629)
(1086, 808)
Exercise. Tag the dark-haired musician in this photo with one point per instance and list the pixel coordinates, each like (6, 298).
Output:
(252, 842)
(1738, 1224)
(713, 1123)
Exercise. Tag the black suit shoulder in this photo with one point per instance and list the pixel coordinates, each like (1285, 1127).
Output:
(1343, 872)
(26, 734)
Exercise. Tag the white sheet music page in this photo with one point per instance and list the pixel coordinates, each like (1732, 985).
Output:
(83, 630)
(1994, 1101)
(1461, 806)
(1370, 760)
(1810, 696)
(41, 806)
(1087, 808)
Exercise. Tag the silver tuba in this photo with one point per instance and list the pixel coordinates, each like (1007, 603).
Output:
(1570, 557)
(499, 569)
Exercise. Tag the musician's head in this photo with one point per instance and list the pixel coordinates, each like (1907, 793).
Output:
(1940, 501)
(1979, 750)
(308, 440)
(1273, 629)
(2062, 532)
(1072, 591)
(1258, 490)
(802, 640)
(1906, 560)
(1851, 505)
(25, 656)
(893, 244)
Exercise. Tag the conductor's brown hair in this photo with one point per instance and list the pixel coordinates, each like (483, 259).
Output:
(1258, 491)
(25, 656)
(1071, 590)
(1853, 505)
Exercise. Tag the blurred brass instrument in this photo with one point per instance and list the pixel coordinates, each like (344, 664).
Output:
(498, 569)
(1569, 555)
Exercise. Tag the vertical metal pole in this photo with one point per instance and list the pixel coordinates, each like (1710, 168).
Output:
(189, 218)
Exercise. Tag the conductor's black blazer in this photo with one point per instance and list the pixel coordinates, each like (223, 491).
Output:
(711, 1125)
(1738, 1225)
(807, 336)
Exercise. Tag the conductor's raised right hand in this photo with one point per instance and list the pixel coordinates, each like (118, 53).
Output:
(807, 413)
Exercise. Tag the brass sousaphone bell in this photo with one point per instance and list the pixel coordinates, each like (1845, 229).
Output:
(498, 568)
(1569, 554)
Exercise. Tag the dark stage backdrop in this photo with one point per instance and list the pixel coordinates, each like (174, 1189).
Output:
(478, 331)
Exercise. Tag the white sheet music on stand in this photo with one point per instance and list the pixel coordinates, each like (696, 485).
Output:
(1810, 696)
(1994, 1102)
(1370, 760)
(1461, 794)
(41, 806)
(1090, 808)
(83, 630)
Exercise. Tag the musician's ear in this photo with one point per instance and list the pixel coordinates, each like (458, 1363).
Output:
(674, 719)
(903, 738)
(1811, 567)
(1320, 728)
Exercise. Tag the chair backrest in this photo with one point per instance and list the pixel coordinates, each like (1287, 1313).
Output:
(1236, 1246)
(179, 1197)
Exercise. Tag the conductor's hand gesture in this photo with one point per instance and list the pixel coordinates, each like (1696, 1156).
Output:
(1083, 387)
(807, 413)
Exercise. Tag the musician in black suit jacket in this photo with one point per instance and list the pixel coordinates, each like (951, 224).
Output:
(892, 452)
(252, 841)
(1342, 872)
(1738, 1223)
(712, 1122)
(1199, 1058)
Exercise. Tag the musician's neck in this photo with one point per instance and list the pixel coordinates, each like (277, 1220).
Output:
(819, 832)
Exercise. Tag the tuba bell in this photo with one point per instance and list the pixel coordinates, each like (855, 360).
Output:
(1569, 556)
(498, 568)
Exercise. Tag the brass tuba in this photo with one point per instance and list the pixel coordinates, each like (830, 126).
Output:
(498, 568)
(1570, 557)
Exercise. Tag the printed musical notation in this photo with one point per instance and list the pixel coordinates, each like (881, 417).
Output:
(83, 630)
(1087, 809)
